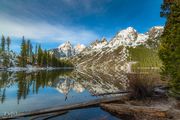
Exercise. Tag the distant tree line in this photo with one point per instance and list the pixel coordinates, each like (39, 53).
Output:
(4, 49)
(5, 43)
(29, 56)
(40, 58)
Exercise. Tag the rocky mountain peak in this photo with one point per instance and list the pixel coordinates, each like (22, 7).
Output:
(79, 48)
(98, 44)
(156, 31)
(65, 50)
(103, 40)
(65, 46)
(130, 37)
(124, 37)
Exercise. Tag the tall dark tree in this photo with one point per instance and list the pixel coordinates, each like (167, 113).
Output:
(39, 56)
(44, 59)
(3, 43)
(33, 59)
(31, 52)
(36, 49)
(8, 41)
(28, 48)
(49, 59)
(169, 50)
(23, 57)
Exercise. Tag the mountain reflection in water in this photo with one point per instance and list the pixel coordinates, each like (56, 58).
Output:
(43, 89)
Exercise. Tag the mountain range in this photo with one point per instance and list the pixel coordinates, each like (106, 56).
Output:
(127, 37)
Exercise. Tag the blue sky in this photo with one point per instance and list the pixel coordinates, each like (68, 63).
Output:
(52, 22)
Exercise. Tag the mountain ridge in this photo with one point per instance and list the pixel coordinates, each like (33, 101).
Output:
(127, 37)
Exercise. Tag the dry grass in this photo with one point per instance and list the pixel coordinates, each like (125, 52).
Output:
(141, 86)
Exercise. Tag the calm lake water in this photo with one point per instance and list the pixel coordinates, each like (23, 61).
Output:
(23, 91)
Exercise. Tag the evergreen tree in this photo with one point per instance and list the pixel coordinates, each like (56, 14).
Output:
(3, 43)
(28, 44)
(33, 59)
(23, 57)
(49, 59)
(169, 50)
(36, 49)
(45, 59)
(8, 41)
(53, 61)
(39, 56)
(29, 51)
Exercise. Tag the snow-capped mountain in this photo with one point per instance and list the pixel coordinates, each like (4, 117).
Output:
(155, 32)
(113, 54)
(79, 48)
(99, 44)
(67, 50)
(127, 37)
(153, 36)
(130, 37)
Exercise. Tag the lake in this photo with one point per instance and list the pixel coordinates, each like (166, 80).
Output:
(28, 91)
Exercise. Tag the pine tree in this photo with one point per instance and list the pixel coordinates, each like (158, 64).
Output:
(53, 62)
(3, 43)
(28, 48)
(169, 51)
(49, 59)
(23, 57)
(8, 41)
(33, 59)
(45, 59)
(36, 49)
(39, 56)
(29, 51)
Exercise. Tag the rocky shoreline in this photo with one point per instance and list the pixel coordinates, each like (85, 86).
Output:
(157, 108)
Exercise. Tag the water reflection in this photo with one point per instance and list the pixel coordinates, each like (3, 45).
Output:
(62, 81)
(28, 82)
(23, 91)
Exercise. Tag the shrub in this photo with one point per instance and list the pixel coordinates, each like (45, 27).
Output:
(141, 86)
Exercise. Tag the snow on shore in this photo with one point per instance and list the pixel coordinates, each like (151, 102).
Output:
(30, 68)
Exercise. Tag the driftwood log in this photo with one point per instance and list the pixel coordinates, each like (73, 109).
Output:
(64, 109)
(112, 93)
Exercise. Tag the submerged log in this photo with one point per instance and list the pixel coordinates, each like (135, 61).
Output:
(112, 93)
(92, 103)
(122, 110)
(48, 116)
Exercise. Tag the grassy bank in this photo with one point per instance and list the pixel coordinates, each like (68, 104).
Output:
(144, 57)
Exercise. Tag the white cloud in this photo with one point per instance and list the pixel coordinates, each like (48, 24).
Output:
(44, 32)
